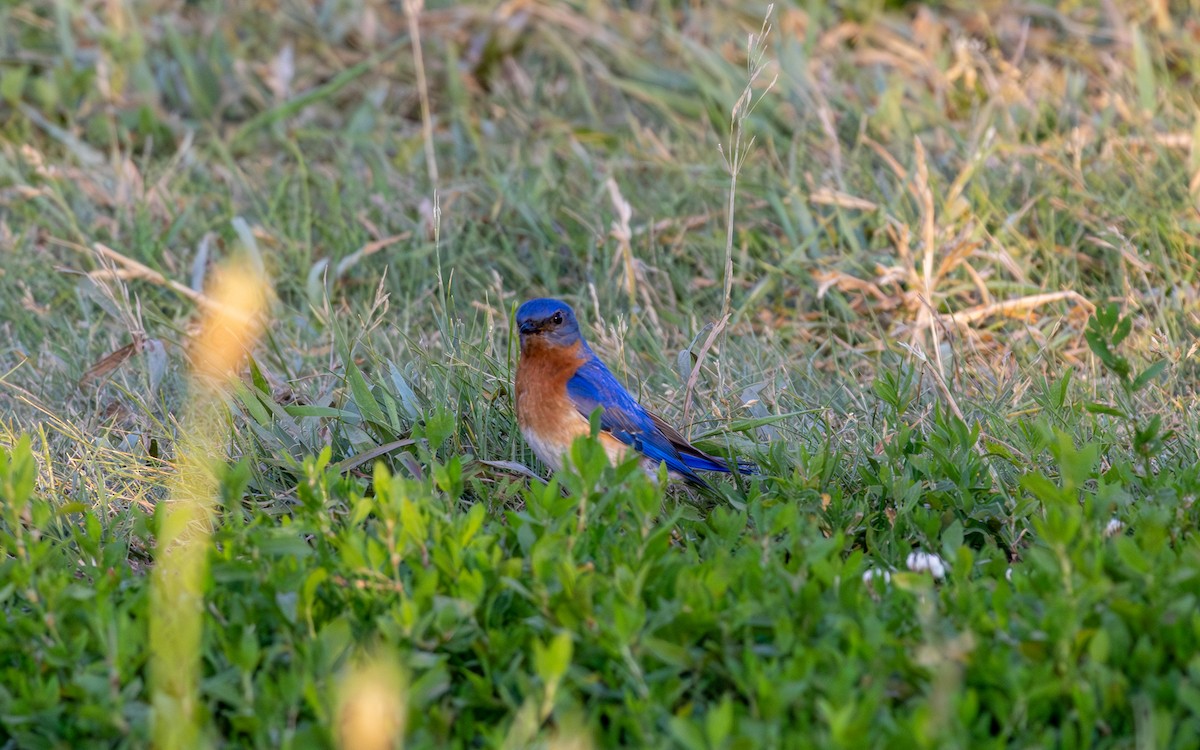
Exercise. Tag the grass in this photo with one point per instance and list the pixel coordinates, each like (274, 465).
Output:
(950, 309)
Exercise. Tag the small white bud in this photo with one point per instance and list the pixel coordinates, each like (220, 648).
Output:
(871, 574)
(921, 561)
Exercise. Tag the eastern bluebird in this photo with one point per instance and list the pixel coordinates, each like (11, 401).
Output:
(561, 381)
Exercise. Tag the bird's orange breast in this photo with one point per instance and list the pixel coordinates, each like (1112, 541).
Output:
(548, 419)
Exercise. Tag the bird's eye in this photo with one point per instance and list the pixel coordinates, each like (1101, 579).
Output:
(557, 319)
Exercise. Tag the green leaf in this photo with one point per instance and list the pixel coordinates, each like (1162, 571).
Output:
(552, 659)
(718, 722)
(1098, 408)
(952, 539)
(1042, 488)
(1132, 555)
(408, 398)
(1099, 647)
(1060, 394)
(439, 426)
(1150, 373)
(1143, 68)
(18, 471)
(250, 401)
(745, 425)
(687, 733)
(360, 391)
(413, 520)
(324, 412)
(12, 83)
(257, 378)
(1121, 330)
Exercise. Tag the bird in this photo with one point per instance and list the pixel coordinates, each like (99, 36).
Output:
(560, 382)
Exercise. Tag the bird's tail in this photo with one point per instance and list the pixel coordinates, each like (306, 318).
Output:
(746, 467)
(704, 462)
(693, 457)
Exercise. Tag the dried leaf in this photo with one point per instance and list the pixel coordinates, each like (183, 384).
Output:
(111, 362)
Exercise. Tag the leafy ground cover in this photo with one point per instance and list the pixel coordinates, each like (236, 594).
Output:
(951, 311)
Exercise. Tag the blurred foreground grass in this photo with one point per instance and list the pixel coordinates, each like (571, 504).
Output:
(963, 323)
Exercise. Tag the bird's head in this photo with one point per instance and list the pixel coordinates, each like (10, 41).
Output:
(549, 321)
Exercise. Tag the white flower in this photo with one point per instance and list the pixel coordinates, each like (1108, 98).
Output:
(1114, 527)
(871, 574)
(1008, 574)
(922, 561)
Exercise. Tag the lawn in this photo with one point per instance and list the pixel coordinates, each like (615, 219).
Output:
(932, 267)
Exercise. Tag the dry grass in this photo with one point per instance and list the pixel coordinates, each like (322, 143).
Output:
(968, 182)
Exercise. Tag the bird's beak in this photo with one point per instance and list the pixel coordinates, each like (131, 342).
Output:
(527, 327)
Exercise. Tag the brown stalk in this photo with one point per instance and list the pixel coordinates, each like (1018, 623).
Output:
(412, 10)
(1013, 306)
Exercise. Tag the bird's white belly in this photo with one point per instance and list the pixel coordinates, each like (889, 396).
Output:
(551, 447)
(550, 452)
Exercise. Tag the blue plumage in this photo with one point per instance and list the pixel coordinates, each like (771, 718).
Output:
(550, 325)
(594, 385)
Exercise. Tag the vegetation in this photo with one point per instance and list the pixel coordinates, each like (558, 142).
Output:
(932, 267)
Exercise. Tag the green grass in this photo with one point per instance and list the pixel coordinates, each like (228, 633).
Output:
(1047, 455)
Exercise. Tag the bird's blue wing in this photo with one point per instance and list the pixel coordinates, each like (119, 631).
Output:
(623, 417)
